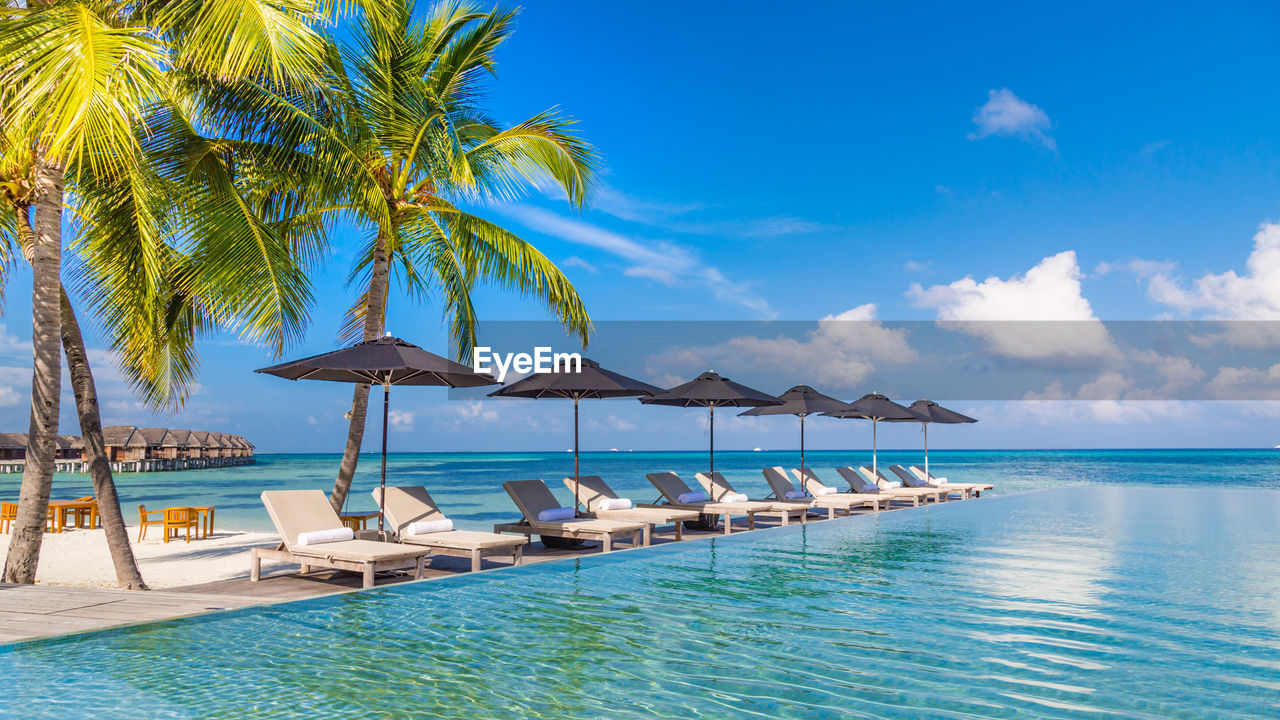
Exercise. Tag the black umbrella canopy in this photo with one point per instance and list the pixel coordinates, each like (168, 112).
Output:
(709, 390)
(801, 401)
(385, 361)
(593, 382)
(874, 406)
(928, 411)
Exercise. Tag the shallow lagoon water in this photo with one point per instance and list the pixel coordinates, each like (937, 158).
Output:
(1067, 603)
(468, 486)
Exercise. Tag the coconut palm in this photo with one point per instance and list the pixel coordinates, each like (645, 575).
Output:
(409, 143)
(84, 85)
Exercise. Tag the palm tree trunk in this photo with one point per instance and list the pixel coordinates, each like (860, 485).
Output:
(46, 376)
(104, 486)
(375, 313)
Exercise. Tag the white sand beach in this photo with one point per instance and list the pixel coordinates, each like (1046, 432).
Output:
(79, 558)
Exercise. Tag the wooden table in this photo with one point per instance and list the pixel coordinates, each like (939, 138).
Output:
(357, 521)
(58, 510)
(207, 512)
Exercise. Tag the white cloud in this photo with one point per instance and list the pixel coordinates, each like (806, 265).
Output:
(668, 215)
(662, 261)
(9, 397)
(1008, 115)
(575, 261)
(1138, 267)
(776, 226)
(1050, 291)
(1246, 383)
(400, 420)
(1254, 295)
(915, 266)
(841, 352)
(636, 209)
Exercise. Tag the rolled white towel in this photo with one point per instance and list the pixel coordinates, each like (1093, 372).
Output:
(319, 537)
(940, 481)
(825, 491)
(892, 484)
(557, 514)
(615, 504)
(429, 526)
(734, 497)
(691, 497)
(795, 495)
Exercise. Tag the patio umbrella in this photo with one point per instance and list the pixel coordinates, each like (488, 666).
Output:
(875, 407)
(386, 361)
(928, 411)
(800, 401)
(590, 382)
(709, 390)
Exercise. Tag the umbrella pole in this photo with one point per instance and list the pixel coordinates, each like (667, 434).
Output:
(803, 488)
(382, 482)
(576, 481)
(926, 452)
(712, 408)
(874, 470)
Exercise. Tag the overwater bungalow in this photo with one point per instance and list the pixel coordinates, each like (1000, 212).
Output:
(134, 449)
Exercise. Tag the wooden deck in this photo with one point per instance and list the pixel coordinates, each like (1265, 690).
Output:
(29, 612)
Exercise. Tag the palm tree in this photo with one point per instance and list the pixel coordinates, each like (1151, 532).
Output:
(408, 139)
(84, 84)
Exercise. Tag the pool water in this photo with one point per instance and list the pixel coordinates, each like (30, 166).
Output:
(1067, 603)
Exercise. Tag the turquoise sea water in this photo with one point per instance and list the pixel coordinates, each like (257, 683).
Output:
(468, 486)
(1068, 603)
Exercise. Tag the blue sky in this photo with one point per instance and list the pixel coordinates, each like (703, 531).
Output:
(927, 162)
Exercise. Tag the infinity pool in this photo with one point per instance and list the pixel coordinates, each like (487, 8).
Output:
(1073, 603)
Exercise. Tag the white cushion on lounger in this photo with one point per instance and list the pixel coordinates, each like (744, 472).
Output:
(734, 497)
(825, 491)
(794, 495)
(319, 537)
(430, 526)
(692, 497)
(615, 504)
(554, 514)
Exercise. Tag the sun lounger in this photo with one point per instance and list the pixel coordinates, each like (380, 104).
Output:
(911, 481)
(409, 506)
(298, 513)
(864, 483)
(719, 488)
(925, 493)
(877, 500)
(593, 492)
(672, 488)
(533, 498)
(974, 488)
(781, 486)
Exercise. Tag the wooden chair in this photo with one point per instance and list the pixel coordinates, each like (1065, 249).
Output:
(8, 513)
(180, 518)
(86, 515)
(144, 519)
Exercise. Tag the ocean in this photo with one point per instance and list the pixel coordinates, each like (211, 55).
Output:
(468, 486)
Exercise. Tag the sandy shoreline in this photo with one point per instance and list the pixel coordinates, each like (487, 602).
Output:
(79, 558)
